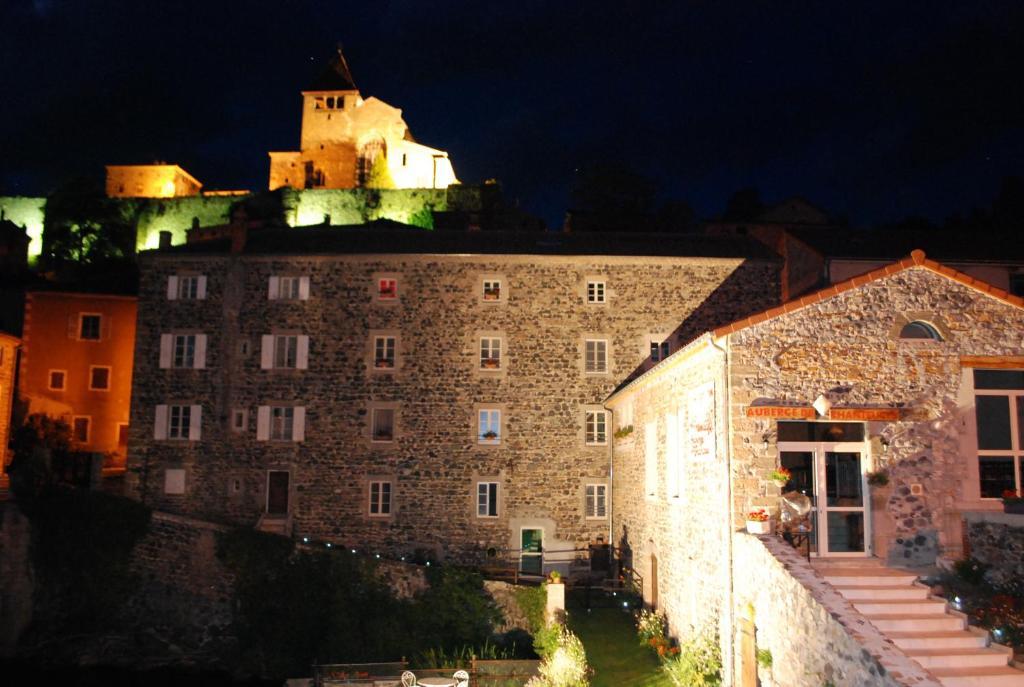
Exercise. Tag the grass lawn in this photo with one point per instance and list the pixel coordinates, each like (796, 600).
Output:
(613, 650)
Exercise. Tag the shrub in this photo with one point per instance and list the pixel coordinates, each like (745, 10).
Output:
(698, 663)
(970, 570)
(650, 625)
(565, 665)
(532, 602)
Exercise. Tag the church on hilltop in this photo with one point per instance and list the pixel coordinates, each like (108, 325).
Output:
(351, 142)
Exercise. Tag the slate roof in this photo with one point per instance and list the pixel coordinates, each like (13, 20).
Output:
(946, 246)
(335, 76)
(389, 237)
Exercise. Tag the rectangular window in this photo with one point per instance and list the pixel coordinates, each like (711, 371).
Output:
(489, 426)
(595, 292)
(999, 415)
(282, 423)
(383, 424)
(99, 378)
(387, 289)
(597, 427)
(184, 354)
(286, 348)
(492, 290)
(659, 350)
(58, 380)
(595, 359)
(384, 352)
(490, 353)
(288, 288)
(188, 287)
(487, 499)
(89, 327)
(80, 429)
(380, 498)
(179, 422)
(239, 420)
(596, 501)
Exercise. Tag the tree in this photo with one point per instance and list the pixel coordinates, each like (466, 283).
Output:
(380, 175)
(744, 205)
(612, 197)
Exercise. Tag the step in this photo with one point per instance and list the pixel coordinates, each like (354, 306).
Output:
(1003, 676)
(880, 592)
(901, 607)
(870, 577)
(960, 658)
(909, 640)
(916, 622)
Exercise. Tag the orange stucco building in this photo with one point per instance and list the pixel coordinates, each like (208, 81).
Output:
(76, 364)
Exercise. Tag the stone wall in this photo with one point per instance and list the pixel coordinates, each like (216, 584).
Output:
(15, 577)
(997, 539)
(542, 464)
(846, 347)
(815, 636)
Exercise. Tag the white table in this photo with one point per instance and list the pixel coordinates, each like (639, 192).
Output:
(437, 682)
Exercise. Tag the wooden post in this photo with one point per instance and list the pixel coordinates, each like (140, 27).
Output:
(748, 653)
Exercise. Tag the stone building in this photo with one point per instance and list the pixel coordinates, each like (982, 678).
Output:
(150, 181)
(393, 389)
(351, 142)
(76, 364)
(8, 362)
(915, 369)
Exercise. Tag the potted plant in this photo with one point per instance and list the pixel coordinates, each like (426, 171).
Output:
(623, 432)
(492, 294)
(759, 522)
(780, 476)
(1013, 502)
(878, 478)
(489, 435)
(554, 577)
(385, 362)
(491, 363)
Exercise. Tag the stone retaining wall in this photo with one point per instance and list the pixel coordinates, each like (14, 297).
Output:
(996, 539)
(815, 635)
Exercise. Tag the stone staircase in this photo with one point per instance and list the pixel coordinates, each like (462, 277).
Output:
(923, 626)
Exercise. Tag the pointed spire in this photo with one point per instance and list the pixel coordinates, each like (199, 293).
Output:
(335, 76)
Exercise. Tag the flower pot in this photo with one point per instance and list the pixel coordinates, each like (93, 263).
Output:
(1016, 507)
(759, 526)
(779, 483)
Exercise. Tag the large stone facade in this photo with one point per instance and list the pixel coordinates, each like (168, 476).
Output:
(541, 463)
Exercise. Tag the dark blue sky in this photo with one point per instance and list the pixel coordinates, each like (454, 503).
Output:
(873, 110)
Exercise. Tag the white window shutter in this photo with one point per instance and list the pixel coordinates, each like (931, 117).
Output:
(160, 423)
(302, 353)
(299, 424)
(199, 363)
(274, 289)
(263, 423)
(172, 287)
(201, 287)
(303, 288)
(267, 351)
(195, 424)
(166, 348)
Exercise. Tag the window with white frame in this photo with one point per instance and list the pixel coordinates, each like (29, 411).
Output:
(99, 378)
(380, 498)
(383, 421)
(490, 353)
(489, 426)
(184, 351)
(595, 356)
(186, 287)
(999, 414)
(384, 352)
(492, 290)
(178, 422)
(487, 499)
(596, 427)
(89, 326)
(596, 500)
(57, 380)
(387, 288)
(659, 350)
(286, 350)
(651, 458)
(595, 292)
(288, 288)
(281, 423)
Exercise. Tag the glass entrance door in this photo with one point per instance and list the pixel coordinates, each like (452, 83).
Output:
(831, 474)
(531, 555)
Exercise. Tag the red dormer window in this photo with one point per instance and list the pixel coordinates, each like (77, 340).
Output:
(387, 289)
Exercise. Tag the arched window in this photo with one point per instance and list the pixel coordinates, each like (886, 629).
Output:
(919, 330)
(368, 153)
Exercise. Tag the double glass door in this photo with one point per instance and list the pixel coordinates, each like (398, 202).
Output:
(832, 475)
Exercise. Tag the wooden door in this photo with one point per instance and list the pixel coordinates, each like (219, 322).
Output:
(277, 492)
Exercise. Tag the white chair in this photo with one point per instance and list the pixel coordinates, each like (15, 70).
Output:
(461, 678)
(408, 679)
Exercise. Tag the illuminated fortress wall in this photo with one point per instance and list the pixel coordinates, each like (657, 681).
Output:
(27, 212)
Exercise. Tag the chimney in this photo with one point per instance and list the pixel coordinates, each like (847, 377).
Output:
(165, 239)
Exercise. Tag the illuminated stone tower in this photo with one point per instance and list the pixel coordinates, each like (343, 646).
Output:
(349, 142)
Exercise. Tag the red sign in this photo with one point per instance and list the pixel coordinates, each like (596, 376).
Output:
(781, 411)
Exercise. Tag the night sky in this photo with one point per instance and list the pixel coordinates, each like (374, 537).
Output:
(873, 110)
